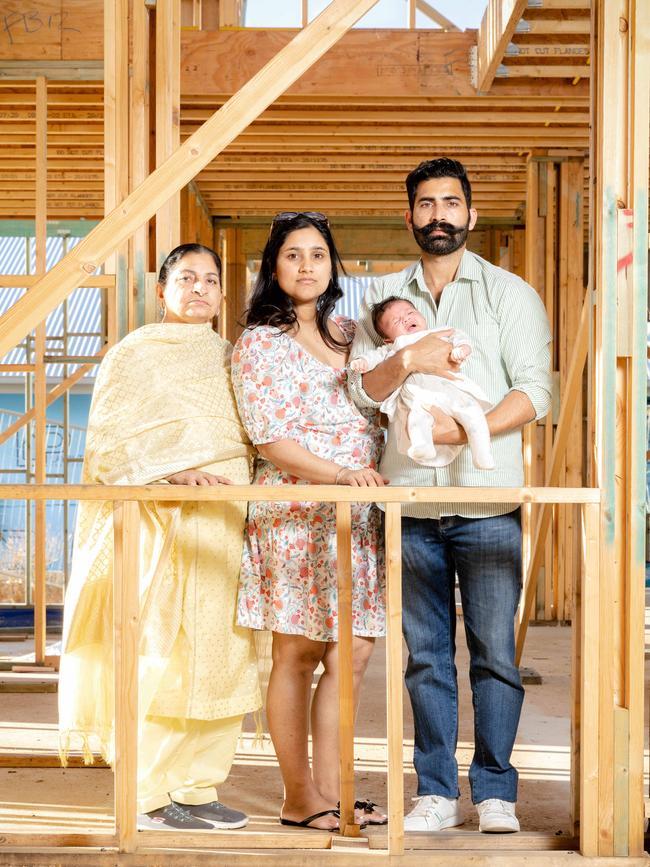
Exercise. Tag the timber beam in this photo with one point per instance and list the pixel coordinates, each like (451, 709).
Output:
(224, 126)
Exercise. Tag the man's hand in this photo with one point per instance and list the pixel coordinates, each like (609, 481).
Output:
(446, 430)
(431, 354)
(514, 411)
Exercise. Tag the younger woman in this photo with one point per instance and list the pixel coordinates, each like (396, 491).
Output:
(290, 383)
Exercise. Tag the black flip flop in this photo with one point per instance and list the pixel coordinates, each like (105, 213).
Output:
(306, 822)
(368, 807)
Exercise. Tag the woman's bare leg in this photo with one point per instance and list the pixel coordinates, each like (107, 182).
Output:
(295, 659)
(325, 714)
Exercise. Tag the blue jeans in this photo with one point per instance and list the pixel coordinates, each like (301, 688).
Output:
(485, 553)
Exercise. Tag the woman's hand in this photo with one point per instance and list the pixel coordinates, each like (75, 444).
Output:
(196, 477)
(365, 478)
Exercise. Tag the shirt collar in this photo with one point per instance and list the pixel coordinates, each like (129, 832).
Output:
(467, 270)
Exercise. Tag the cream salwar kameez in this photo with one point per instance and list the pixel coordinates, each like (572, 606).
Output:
(184, 759)
(162, 403)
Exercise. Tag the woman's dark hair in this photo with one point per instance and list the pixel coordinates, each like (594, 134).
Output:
(443, 167)
(269, 305)
(183, 250)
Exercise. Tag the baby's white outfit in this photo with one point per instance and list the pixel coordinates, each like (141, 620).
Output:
(461, 398)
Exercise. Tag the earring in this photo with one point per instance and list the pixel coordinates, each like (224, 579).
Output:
(161, 310)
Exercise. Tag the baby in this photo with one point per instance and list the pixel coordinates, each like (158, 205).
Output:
(400, 324)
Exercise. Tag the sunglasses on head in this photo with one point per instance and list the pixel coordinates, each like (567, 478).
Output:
(290, 215)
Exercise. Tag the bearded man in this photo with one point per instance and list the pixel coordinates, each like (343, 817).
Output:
(477, 543)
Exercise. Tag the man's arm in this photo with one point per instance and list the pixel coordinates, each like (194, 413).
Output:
(370, 359)
(527, 360)
(431, 354)
(511, 413)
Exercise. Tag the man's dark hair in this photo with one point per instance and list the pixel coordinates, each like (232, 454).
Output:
(443, 167)
(378, 310)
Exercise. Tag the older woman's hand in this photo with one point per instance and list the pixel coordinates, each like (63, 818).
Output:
(196, 477)
(365, 478)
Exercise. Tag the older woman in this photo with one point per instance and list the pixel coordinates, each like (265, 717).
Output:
(163, 411)
(290, 382)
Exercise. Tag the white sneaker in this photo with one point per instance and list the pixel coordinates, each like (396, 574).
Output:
(497, 817)
(433, 813)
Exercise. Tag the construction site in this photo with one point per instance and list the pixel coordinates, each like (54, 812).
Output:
(132, 126)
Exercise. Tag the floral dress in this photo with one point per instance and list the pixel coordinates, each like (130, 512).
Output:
(288, 574)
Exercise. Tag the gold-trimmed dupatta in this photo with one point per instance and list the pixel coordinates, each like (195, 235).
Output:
(162, 403)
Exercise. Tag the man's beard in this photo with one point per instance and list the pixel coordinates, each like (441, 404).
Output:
(442, 245)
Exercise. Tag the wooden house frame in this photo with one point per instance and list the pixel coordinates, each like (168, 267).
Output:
(592, 456)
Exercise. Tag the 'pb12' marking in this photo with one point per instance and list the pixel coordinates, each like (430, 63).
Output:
(31, 22)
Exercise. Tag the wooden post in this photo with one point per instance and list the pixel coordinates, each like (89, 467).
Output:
(230, 13)
(591, 612)
(139, 154)
(39, 597)
(394, 679)
(570, 301)
(529, 434)
(577, 637)
(534, 436)
(346, 684)
(637, 293)
(116, 152)
(197, 13)
(234, 302)
(618, 278)
(168, 117)
(126, 524)
(222, 247)
(151, 303)
(548, 209)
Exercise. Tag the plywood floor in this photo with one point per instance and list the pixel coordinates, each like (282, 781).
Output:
(79, 800)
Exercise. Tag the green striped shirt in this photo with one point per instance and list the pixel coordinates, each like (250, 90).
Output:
(507, 323)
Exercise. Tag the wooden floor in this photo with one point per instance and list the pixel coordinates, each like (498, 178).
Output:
(43, 807)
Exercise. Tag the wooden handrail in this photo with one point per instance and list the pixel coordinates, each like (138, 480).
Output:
(315, 493)
(125, 601)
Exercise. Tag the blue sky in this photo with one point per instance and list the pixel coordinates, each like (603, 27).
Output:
(386, 13)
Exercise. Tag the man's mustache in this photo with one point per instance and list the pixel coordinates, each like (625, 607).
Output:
(442, 226)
